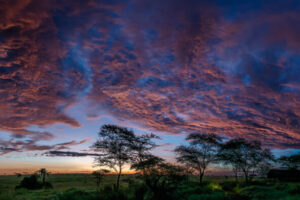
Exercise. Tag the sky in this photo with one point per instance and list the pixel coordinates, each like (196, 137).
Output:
(169, 67)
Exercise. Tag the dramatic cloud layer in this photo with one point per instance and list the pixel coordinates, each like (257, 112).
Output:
(230, 67)
(31, 145)
(69, 154)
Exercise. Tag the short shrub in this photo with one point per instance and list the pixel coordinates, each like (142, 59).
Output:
(30, 183)
(203, 190)
(228, 185)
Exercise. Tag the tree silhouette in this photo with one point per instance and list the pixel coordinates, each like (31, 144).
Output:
(291, 162)
(43, 173)
(30, 183)
(115, 144)
(264, 161)
(147, 165)
(142, 158)
(99, 174)
(163, 179)
(200, 152)
(244, 155)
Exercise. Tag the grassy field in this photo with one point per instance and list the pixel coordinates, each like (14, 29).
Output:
(60, 182)
(83, 186)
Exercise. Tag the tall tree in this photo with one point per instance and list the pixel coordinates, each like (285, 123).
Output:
(244, 155)
(115, 145)
(201, 151)
(264, 162)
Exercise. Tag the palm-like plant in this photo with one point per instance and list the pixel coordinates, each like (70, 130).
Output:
(43, 173)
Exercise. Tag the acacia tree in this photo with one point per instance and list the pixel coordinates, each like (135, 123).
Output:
(264, 161)
(142, 158)
(291, 162)
(244, 155)
(201, 151)
(147, 165)
(115, 145)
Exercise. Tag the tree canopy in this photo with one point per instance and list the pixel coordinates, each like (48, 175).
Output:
(199, 153)
(115, 145)
(244, 155)
(291, 162)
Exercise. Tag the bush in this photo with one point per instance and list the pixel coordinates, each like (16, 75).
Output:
(228, 185)
(30, 183)
(140, 192)
(203, 190)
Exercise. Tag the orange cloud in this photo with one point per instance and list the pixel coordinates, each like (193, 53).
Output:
(169, 66)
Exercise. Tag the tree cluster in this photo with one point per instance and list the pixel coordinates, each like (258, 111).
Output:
(120, 146)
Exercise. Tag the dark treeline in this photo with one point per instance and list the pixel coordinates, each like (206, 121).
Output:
(120, 146)
(157, 179)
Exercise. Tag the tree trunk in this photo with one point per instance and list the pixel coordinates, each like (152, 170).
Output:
(246, 175)
(235, 171)
(118, 180)
(44, 177)
(201, 177)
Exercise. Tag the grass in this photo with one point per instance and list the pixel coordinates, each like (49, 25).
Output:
(83, 187)
(61, 183)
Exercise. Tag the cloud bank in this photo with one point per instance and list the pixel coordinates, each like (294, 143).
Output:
(230, 68)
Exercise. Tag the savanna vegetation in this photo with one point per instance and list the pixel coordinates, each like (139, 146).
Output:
(156, 179)
(84, 187)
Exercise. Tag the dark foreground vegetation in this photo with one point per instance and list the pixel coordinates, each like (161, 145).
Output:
(157, 179)
(84, 187)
